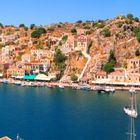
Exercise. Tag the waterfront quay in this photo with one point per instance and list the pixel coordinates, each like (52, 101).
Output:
(95, 86)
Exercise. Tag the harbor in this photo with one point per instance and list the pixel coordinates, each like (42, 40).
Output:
(64, 113)
(102, 87)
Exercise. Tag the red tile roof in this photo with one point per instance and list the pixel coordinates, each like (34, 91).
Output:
(102, 73)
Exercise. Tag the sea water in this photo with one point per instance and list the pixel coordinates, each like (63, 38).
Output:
(64, 114)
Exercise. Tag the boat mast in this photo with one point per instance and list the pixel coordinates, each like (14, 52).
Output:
(132, 133)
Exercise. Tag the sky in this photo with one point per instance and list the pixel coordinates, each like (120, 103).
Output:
(44, 12)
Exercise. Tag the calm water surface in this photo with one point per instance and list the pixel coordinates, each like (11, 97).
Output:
(57, 114)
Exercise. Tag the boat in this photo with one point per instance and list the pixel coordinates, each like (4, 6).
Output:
(105, 89)
(17, 82)
(85, 87)
(131, 110)
(61, 86)
(5, 81)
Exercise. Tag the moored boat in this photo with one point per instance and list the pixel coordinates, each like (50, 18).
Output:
(61, 86)
(131, 110)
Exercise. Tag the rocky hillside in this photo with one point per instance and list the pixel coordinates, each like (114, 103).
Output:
(120, 34)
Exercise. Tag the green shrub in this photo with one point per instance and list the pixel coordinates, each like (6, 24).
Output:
(138, 36)
(99, 25)
(106, 32)
(50, 29)
(86, 27)
(21, 25)
(32, 26)
(38, 47)
(119, 24)
(73, 31)
(136, 19)
(35, 34)
(41, 30)
(74, 77)
(38, 32)
(64, 38)
(130, 16)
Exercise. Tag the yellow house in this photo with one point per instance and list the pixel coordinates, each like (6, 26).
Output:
(134, 65)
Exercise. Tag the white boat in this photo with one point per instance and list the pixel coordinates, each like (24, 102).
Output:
(61, 86)
(132, 109)
(105, 89)
(109, 89)
(17, 82)
(131, 112)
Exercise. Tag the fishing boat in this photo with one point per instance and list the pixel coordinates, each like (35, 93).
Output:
(131, 110)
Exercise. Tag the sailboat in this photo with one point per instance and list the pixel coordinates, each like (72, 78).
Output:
(131, 110)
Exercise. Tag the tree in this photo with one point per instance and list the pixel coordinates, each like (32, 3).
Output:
(59, 57)
(73, 31)
(74, 77)
(130, 16)
(38, 32)
(21, 25)
(35, 34)
(111, 57)
(108, 67)
(59, 60)
(41, 30)
(32, 26)
(79, 21)
(1, 25)
(136, 19)
(137, 53)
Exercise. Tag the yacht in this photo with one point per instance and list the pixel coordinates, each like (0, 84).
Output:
(131, 110)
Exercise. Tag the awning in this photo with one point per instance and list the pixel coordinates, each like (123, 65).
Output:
(29, 77)
(19, 77)
(42, 77)
(1, 75)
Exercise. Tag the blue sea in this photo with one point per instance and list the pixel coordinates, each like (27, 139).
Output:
(64, 114)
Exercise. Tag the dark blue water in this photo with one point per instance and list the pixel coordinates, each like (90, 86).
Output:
(57, 114)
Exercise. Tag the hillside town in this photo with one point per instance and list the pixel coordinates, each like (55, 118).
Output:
(93, 52)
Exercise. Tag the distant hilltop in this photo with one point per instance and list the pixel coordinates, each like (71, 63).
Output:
(71, 51)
